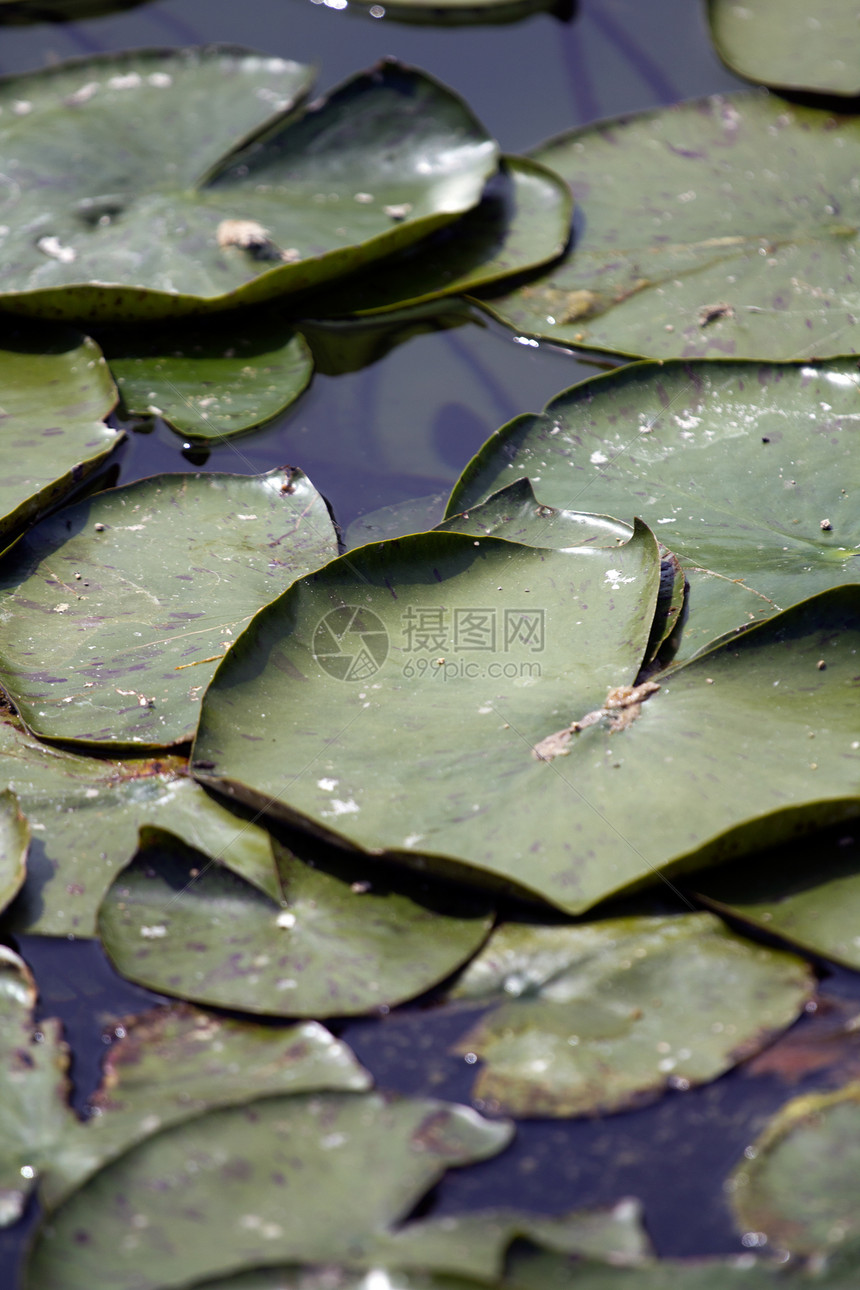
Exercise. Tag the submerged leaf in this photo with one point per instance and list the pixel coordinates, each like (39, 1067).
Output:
(14, 844)
(329, 948)
(117, 609)
(606, 1015)
(211, 382)
(175, 1063)
(243, 1186)
(722, 227)
(800, 1182)
(790, 44)
(746, 471)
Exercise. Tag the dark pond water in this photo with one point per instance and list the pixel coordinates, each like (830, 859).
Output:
(402, 428)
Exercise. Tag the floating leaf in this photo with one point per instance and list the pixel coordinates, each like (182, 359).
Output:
(415, 516)
(33, 1087)
(460, 13)
(55, 390)
(516, 514)
(798, 1185)
(807, 892)
(89, 816)
(331, 948)
(467, 651)
(210, 382)
(240, 203)
(789, 44)
(722, 227)
(242, 1186)
(14, 842)
(606, 1015)
(439, 765)
(521, 222)
(175, 1063)
(117, 609)
(745, 470)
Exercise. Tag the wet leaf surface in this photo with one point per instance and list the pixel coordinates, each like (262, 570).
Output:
(88, 816)
(117, 609)
(787, 44)
(414, 636)
(745, 470)
(55, 391)
(607, 1015)
(174, 1063)
(521, 222)
(14, 844)
(240, 1186)
(33, 1087)
(210, 382)
(691, 247)
(240, 204)
(799, 1184)
(332, 947)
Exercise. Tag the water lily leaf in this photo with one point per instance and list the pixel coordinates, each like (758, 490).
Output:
(209, 216)
(607, 1015)
(460, 13)
(88, 817)
(414, 516)
(116, 610)
(788, 44)
(471, 650)
(14, 843)
(210, 382)
(745, 470)
(330, 948)
(55, 390)
(807, 892)
(551, 785)
(240, 1187)
(691, 247)
(175, 1063)
(799, 1183)
(532, 1270)
(521, 222)
(34, 1112)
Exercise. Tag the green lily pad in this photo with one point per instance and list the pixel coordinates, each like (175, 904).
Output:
(539, 1271)
(521, 222)
(175, 1063)
(14, 844)
(34, 1111)
(604, 1016)
(745, 470)
(443, 764)
(116, 610)
(463, 13)
(242, 1186)
(514, 513)
(798, 1185)
(413, 678)
(55, 391)
(329, 948)
(211, 382)
(807, 893)
(243, 203)
(720, 228)
(88, 817)
(789, 44)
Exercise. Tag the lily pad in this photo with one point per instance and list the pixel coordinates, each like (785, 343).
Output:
(116, 610)
(603, 1016)
(240, 1187)
(791, 45)
(745, 470)
(34, 1111)
(807, 893)
(414, 516)
(722, 227)
(14, 843)
(798, 1185)
(241, 204)
(329, 948)
(521, 222)
(211, 382)
(462, 13)
(55, 391)
(175, 1063)
(413, 677)
(88, 817)
(448, 764)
